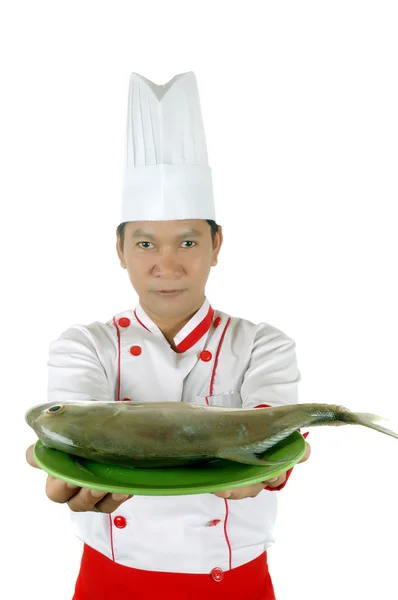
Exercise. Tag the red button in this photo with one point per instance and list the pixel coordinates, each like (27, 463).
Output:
(124, 322)
(217, 574)
(135, 350)
(206, 355)
(217, 322)
(126, 399)
(213, 523)
(120, 522)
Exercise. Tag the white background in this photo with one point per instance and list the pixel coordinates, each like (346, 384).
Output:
(300, 107)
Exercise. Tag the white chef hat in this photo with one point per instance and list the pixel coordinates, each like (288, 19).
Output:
(166, 171)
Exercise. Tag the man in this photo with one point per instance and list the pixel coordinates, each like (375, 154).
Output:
(173, 347)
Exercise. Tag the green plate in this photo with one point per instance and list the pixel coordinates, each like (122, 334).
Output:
(214, 476)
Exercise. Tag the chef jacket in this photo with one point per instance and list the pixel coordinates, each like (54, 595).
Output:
(221, 360)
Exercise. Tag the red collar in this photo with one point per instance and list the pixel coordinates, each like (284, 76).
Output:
(190, 334)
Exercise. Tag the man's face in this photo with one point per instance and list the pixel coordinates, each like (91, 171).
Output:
(168, 263)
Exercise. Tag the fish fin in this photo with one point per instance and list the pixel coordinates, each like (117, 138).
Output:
(247, 457)
(369, 420)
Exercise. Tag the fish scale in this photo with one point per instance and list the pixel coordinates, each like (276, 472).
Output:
(164, 434)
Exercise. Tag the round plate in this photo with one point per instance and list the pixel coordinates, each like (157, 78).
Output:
(215, 476)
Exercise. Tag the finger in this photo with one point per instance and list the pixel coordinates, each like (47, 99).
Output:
(271, 480)
(59, 491)
(237, 495)
(223, 494)
(234, 495)
(307, 453)
(85, 500)
(95, 500)
(111, 502)
(275, 482)
(30, 458)
(244, 492)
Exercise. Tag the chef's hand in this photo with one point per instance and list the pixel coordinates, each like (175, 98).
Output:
(251, 491)
(78, 499)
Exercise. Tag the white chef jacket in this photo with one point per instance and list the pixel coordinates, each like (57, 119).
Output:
(222, 360)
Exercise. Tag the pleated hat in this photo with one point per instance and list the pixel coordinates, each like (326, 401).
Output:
(166, 172)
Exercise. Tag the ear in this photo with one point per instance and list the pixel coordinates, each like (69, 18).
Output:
(119, 250)
(218, 240)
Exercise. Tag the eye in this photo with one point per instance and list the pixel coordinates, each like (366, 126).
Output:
(54, 409)
(192, 244)
(141, 245)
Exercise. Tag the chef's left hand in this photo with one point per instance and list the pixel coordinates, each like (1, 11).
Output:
(251, 491)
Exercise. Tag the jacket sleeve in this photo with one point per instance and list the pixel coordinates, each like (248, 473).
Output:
(75, 371)
(272, 376)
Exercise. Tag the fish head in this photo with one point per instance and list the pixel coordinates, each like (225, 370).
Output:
(52, 412)
(56, 420)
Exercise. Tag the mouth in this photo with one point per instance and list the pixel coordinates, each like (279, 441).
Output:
(168, 293)
(33, 414)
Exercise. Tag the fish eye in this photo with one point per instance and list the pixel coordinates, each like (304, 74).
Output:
(54, 409)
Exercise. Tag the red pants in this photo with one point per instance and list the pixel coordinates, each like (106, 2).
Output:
(102, 579)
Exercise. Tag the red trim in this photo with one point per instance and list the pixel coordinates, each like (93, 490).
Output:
(217, 355)
(118, 399)
(118, 358)
(111, 537)
(226, 533)
(197, 333)
(213, 375)
(140, 322)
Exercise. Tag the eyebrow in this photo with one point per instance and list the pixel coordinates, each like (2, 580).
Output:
(139, 233)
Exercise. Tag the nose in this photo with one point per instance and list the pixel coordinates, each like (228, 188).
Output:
(167, 267)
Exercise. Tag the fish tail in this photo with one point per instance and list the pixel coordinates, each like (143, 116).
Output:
(368, 420)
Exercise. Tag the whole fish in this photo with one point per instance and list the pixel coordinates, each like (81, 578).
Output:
(177, 433)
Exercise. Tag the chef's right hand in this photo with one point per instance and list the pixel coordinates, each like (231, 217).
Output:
(78, 499)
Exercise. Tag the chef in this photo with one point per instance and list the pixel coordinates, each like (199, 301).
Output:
(172, 346)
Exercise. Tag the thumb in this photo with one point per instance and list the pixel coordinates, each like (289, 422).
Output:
(306, 454)
(30, 458)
